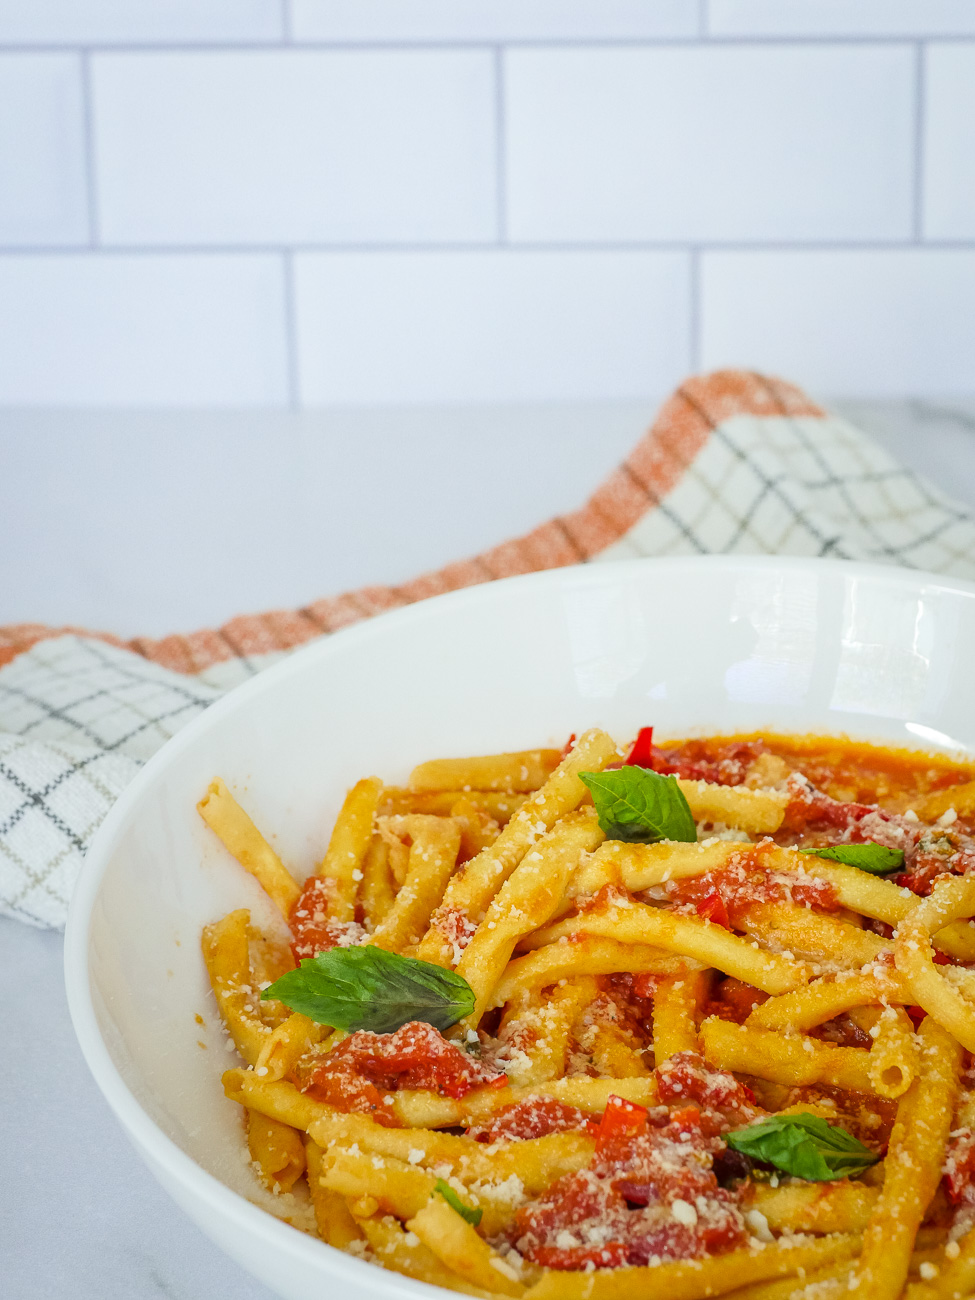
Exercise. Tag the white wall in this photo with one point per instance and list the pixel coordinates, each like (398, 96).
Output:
(294, 203)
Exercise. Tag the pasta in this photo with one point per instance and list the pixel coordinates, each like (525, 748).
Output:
(661, 1022)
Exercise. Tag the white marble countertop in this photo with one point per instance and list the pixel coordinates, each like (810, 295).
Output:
(80, 1216)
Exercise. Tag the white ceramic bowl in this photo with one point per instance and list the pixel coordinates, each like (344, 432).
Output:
(702, 645)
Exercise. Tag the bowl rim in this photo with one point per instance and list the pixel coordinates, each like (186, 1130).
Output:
(140, 1127)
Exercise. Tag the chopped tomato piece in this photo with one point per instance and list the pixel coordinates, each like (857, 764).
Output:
(685, 1077)
(916, 1014)
(641, 751)
(735, 1000)
(352, 1075)
(686, 1119)
(567, 747)
(746, 882)
(621, 1118)
(312, 929)
(533, 1118)
(654, 1194)
(712, 908)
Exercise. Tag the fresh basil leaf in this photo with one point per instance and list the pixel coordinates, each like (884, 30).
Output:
(369, 988)
(875, 858)
(640, 806)
(472, 1216)
(803, 1145)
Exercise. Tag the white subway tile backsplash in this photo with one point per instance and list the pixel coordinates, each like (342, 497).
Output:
(752, 143)
(421, 20)
(840, 17)
(142, 330)
(296, 146)
(43, 192)
(490, 326)
(871, 323)
(92, 22)
(949, 142)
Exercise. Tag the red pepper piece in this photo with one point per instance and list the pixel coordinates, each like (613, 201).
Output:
(567, 747)
(917, 1014)
(641, 753)
(712, 908)
(942, 959)
(621, 1118)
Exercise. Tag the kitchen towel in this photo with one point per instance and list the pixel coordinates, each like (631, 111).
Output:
(735, 463)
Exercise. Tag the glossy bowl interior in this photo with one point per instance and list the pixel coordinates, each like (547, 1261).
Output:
(689, 645)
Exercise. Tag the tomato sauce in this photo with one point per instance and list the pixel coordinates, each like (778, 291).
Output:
(312, 930)
(846, 770)
(360, 1072)
(533, 1118)
(725, 896)
(651, 1191)
(840, 792)
(649, 1194)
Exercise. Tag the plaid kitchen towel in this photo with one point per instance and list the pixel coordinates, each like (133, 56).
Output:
(735, 463)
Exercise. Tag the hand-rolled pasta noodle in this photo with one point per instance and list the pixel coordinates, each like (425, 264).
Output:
(287, 1044)
(585, 954)
(427, 1110)
(377, 891)
(912, 1167)
(950, 899)
(277, 1151)
(759, 812)
(225, 817)
(471, 891)
(784, 1058)
(458, 1246)
(696, 1279)
(639, 866)
(678, 1002)
(841, 1206)
(893, 1056)
(535, 1034)
(225, 952)
(405, 1253)
(433, 854)
(882, 900)
(710, 944)
(498, 806)
(522, 772)
(823, 999)
(403, 1189)
(348, 846)
(583, 985)
(525, 901)
(333, 1219)
(812, 936)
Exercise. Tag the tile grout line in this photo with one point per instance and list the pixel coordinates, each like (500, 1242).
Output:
(694, 311)
(291, 329)
(553, 43)
(920, 89)
(89, 142)
(500, 147)
(246, 248)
